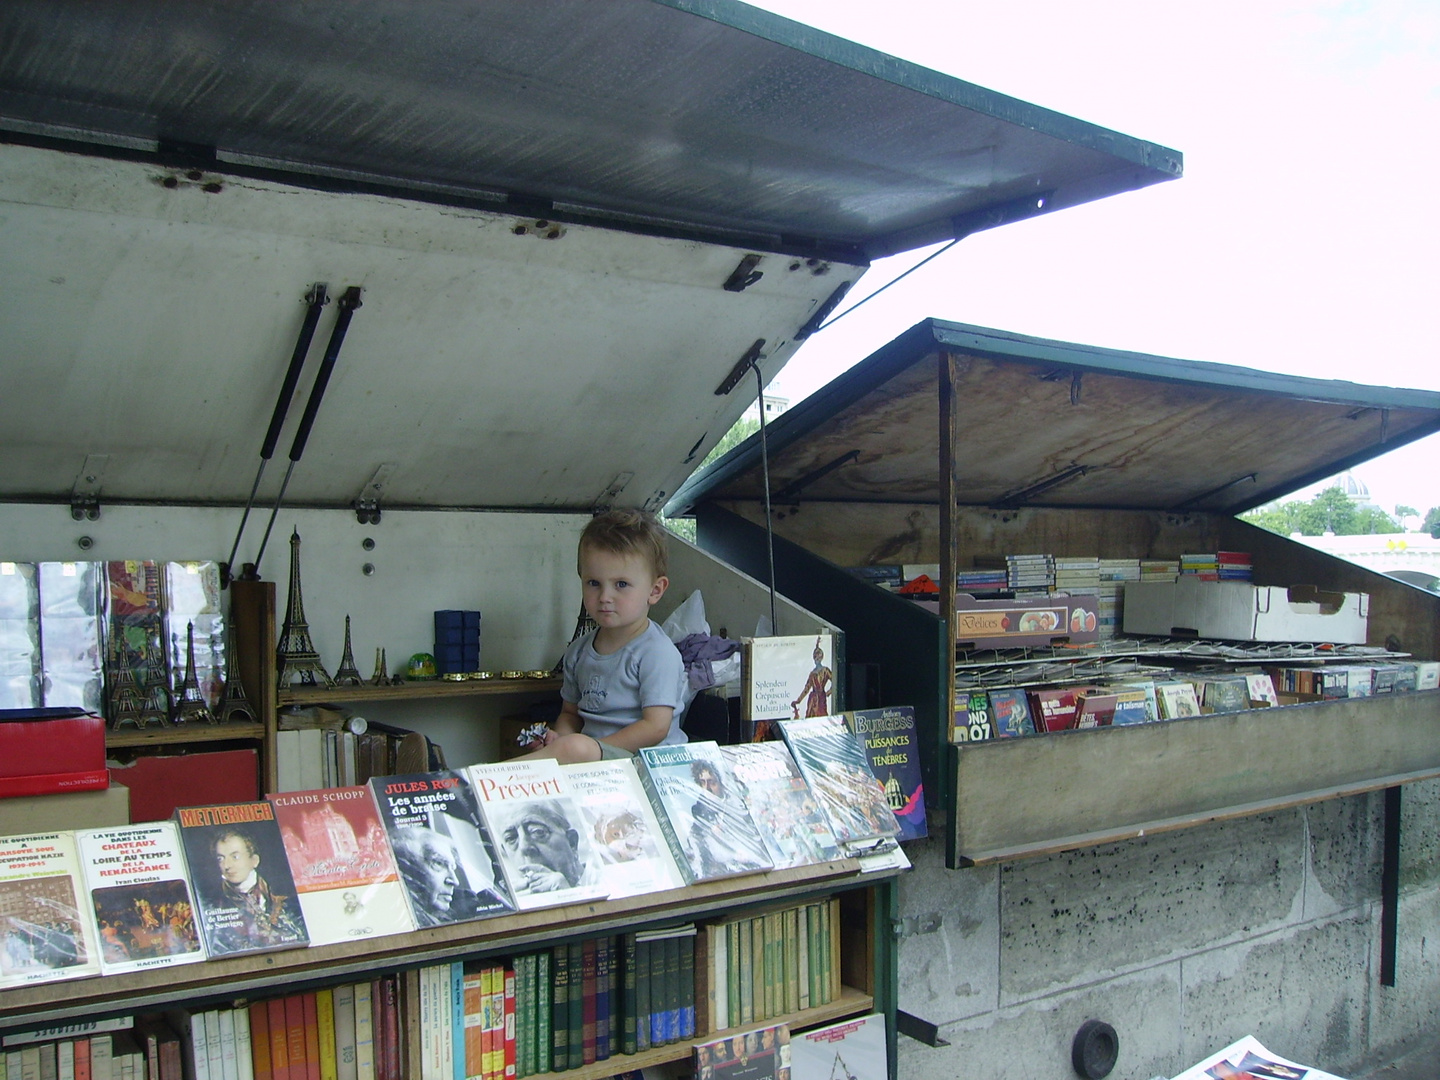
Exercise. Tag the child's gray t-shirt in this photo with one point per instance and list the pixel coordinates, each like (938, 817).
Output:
(610, 691)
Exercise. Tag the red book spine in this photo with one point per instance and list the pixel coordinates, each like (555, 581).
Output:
(510, 1049)
(260, 1041)
(588, 974)
(53, 783)
(391, 1027)
(82, 1059)
(279, 1039)
(312, 1035)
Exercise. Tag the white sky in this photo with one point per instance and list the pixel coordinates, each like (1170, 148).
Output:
(1303, 237)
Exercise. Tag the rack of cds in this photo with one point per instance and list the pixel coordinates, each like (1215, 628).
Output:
(406, 325)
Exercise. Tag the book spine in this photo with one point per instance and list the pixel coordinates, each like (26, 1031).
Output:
(279, 1040)
(718, 1007)
(64, 1060)
(244, 1044)
(832, 950)
(704, 982)
(604, 995)
(389, 988)
(455, 1030)
(544, 1037)
(524, 1047)
(325, 1033)
(81, 1053)
(642, 995)
(627, 994)
(560, 1009)
(747, 971)
(198, 1047)
(344, 1025)
(310, 1003)
(260, 1042)
(228, 1050)
(474, 994)
(667, 827)
(657, 992)
(364, 1032)
(732, 979)
(791, 959)
(496, 976)
(102, 1056)
(575, 1014)
(589, 980)
(511, 1050)
(672, 990)
(687, 987)
(802, 954)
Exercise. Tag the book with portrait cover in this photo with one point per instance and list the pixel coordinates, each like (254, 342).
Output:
(893, 744)
(794, 828)
(343, 867)
(46, 931)
(138, 888)
(244, 894)
(536, 824)
(707, 824)
(837, 768)
(446, 860)
(786, 677)
(759, 1054)
(1177, 699)
(621, 824)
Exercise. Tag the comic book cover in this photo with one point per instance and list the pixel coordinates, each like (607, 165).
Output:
(1010, 712)
(243, 890)
(144, 910)
(545, 850)
(344, 870)
(893, 744)
(707, 824)
(446, 860)
(634, 857)
(794, 828)
(46, 932)
(837, 768)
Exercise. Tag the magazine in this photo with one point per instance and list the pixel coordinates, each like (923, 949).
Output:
(46, 931)
(1246, 1059)
(144, 910)
(535, 822)
(241, 879)
(794, 828)
(711, 832)
(343, 867)
(838, 770)
(760, 1054)
(893, 744)
(621, 823)
(445, 858)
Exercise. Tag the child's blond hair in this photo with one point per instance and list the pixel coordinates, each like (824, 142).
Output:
(627, 532)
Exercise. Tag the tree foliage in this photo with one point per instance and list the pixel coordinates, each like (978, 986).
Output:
(1432, 521)
(743, 429)
(1330, 511)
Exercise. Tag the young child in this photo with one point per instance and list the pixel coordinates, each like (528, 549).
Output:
(623, 681)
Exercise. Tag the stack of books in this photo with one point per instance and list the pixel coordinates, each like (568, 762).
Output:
(1159, 569)
(1114, 573)
(1030, 575)
(1077, 575)
(1234, 565)
(982, 582)
(1203, 565)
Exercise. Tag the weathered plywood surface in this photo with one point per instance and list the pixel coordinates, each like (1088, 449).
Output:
(1018, 797)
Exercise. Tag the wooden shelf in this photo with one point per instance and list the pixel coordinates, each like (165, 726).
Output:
(170, 735)
(228, 978)
(418, 691)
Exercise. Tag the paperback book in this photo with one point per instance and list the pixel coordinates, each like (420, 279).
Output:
(707, 824)
(1260, 691)
(545, 851)
(446, 859)
(760, 1054)
(787, 677)
(46, 933)
(1010, 713)
(795, 830)
(893, 744)
(621, 824)
(1177, 699)
(837, 769)
(344, 870)
(849, 1050)
(144, 909)
(243, 890)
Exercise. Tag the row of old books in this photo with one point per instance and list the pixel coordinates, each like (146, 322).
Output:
(756, 967)
(1356, 680)
(427, 849)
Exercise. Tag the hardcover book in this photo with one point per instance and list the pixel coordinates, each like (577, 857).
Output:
(1132, 706)
(1260, 691)
(343, 867)
(707, 824)
(1010, 713)
(891, 741)
(621, 824)
(1177, 699)
(837, 769)
(144, 909)
(46, 931)
(1227, 694)
(787, 677)
(446, 859)
(536, 824)
(972, 716)
(760, 1054)
(244, 893)
(795, 830)
(1095, 708)
(1054, 710)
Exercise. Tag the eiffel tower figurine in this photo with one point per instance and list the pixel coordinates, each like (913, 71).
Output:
(235, 707)
(127, 705)
(191, 706)
(154, 687)
(348, 674)
(296, 658)
(382, 673)
(583, 625)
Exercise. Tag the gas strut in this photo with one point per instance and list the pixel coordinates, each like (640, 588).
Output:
(316, 299)
(345, 308)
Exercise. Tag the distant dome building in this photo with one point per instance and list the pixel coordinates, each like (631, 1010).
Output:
(1355, 489)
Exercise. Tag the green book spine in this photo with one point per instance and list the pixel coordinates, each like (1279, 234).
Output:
(522, 1020)
(792, 960)
(802, 953)
(575, 1013)
(832, 932)
(687, 987)
(544, 1032)
(747, 971)
(628, 1043)
(819, 995)
(560, 1009)
(643, 983)
(732, 980)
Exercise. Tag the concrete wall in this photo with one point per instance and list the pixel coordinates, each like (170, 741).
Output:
(1183, 943)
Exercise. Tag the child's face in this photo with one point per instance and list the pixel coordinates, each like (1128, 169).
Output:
(618, 589)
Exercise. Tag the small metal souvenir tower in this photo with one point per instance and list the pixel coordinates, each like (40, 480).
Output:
(191, 706)
(295, 657)
(348, 674)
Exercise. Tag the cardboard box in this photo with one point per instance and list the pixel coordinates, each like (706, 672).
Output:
(52, 754)
(1240, 611)
(1010, 624)
(66, 810)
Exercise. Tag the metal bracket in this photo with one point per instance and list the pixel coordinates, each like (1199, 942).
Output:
(752, 355)
(367, 503)
(919, 1030)
(791, 491)
(85, 493)
(744, 275)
